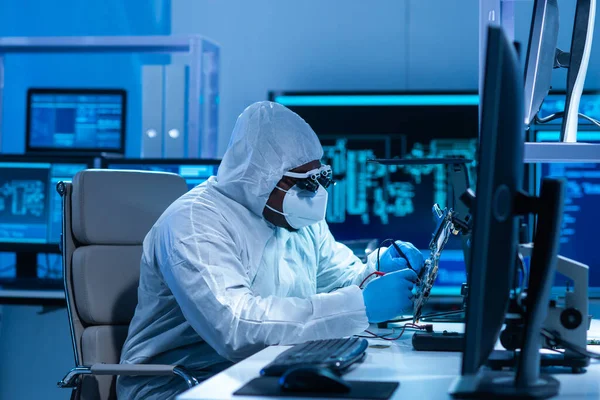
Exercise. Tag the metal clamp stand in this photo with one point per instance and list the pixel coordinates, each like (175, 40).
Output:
(458, 180)
(570, 320)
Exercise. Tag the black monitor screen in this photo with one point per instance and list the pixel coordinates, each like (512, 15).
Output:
(76, 120)
(30, 206)
(194, 172)
(578, 239)
(371, 201)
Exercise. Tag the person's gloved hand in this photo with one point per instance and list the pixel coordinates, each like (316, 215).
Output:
(388, 296)
(391, 260)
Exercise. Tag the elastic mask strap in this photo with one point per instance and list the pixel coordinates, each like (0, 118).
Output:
(274, 210)
(283, 190)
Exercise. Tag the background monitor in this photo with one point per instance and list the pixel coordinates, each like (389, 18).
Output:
(495, 229)
(194, 171)
(31, 209)
(541, 52)
(371, 201)
(556, 102)
(578, 239)
(76, 120)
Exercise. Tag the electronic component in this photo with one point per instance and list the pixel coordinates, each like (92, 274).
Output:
(568, 319)
(445, 227)
(438, 341)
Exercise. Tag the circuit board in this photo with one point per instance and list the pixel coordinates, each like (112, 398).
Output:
(428, 273)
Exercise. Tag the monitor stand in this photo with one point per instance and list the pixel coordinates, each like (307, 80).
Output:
(26, 271)
(27, 275)
(27, 265)
(463, 200)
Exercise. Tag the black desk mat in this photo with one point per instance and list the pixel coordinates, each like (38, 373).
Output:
(367, 390)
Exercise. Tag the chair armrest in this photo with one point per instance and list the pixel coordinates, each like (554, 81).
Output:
(132, 369)
(71, 379)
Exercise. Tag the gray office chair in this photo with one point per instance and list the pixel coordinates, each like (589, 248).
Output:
(106, 215)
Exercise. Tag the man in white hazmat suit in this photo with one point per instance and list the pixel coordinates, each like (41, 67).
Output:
(246, 260)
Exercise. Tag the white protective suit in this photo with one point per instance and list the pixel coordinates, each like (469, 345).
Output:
(219, 283)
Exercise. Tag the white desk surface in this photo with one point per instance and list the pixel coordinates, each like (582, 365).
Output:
(422, 375)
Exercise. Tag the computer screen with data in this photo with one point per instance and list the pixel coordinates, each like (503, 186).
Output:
(372, 201)
(193, 171)
(30, 206)
(76, 120)
(555, 103)
(579, 234)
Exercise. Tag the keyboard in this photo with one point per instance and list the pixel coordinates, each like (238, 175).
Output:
(335, 354)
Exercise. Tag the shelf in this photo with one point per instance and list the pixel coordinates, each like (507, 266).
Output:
(421, 161)
(562, 152)
(32, 297)
(98, 44)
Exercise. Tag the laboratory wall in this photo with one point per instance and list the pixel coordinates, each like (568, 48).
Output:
(333, 45)
(349, 45)
(35, 345)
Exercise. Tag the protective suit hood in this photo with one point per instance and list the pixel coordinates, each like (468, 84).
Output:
(268, 139)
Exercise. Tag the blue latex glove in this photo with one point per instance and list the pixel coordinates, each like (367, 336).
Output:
(388, 296)
(391, 260)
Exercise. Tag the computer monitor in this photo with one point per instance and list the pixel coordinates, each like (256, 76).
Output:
(76, 120)
(497, 206)
(541, 52)
(194, 171)
(496, 226)
(578, 234)
(499, 178)
(372, 202)
(31, 208)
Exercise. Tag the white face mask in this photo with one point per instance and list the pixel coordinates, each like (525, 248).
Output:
(303, 208)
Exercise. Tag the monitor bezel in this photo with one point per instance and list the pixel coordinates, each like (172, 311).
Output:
(106, 162)
(495, 228)
(75, 150)
(50, 248)
(272, 94)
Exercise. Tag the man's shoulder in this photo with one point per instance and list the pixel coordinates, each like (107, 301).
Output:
(201, 205)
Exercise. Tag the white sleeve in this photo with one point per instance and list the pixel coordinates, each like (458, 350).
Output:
(338, 266)
(211, 286)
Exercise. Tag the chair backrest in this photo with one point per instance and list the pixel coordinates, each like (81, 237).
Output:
(106, 215)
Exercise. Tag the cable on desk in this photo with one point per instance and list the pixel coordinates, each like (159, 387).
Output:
(428, 316)
(375, 336)
(404, 327)
(555, 340)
